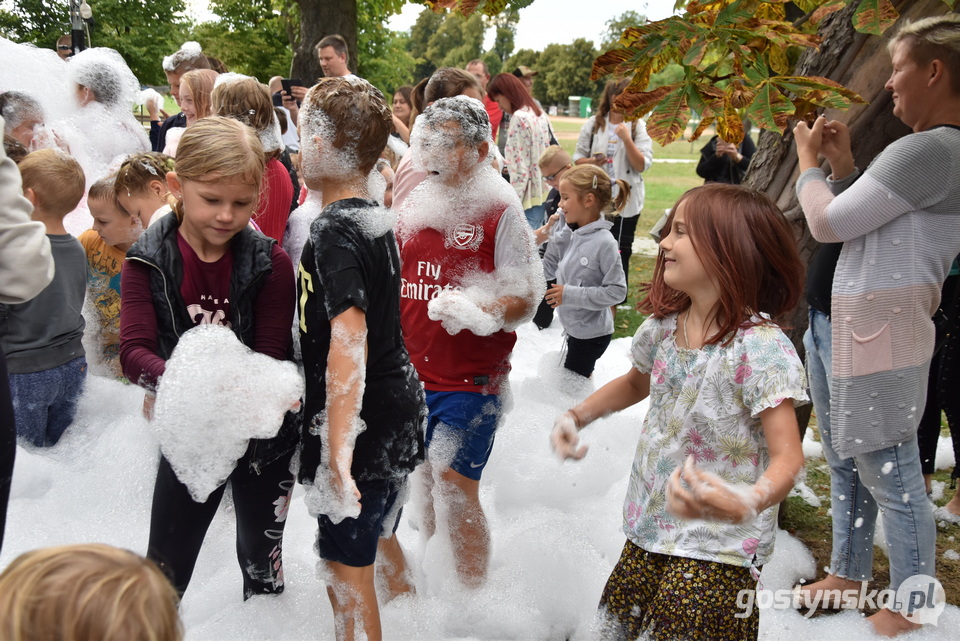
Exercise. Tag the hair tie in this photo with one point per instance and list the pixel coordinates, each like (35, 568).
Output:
(594, 181)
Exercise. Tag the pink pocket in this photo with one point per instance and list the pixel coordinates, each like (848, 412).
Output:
(874, 353)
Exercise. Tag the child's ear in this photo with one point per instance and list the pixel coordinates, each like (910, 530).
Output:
(157, 187)
(174, 184)
(31, 195)
(483, 149)
(590, 199)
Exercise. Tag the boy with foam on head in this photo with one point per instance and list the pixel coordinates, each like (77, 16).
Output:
(360, 441)
(42, 337)
(114, 232)
(471, 276)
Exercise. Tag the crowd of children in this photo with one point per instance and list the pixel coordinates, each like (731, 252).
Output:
(404, 306)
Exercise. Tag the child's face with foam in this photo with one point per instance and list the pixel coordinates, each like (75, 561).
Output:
(113, 226)
(446, 154)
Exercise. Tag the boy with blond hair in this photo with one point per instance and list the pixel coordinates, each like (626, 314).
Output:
(364, 407)
(41, 338)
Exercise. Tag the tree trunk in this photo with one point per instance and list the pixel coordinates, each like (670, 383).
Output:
(319, 18)
(860, 62)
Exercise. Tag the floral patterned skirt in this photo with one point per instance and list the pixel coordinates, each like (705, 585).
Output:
(671, 598)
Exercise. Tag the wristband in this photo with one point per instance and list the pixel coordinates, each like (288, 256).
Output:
(576, 418)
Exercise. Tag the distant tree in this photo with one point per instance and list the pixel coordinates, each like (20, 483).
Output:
(427, 24)
(564, 71)
(251, 36)
(458, 41)
(616, 26)
(527, 57)
(384, 59)
(506, 31)
(142, 31)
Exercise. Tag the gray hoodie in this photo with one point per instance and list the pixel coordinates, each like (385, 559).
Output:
(593, 280)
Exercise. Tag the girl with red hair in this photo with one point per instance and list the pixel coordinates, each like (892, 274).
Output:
(720, 440)
(528, 136)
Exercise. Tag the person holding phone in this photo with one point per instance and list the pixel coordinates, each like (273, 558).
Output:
(624, 151)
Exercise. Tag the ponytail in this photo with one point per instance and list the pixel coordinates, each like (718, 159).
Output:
(418, 100)
(623, 195)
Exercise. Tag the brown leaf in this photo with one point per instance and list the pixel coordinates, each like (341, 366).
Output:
(637, 104)
(670, 118)
(609, 62)
(730, 126)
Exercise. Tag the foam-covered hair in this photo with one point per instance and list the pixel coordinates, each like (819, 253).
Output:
(468, 112)
(188, 57)
(104, 72)
(16, 106)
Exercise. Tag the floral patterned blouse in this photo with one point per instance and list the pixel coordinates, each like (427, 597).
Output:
(706, 403)
(528, 136)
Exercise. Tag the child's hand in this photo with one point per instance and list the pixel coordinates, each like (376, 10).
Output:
(345, 491)
(565, 439)
(555, 295)
(623, 131)
(709, 497)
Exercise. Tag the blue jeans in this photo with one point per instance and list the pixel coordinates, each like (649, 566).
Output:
(45, 402)
(888, 480)
(536, 216)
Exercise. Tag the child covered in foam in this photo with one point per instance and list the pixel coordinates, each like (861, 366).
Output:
(471, 276)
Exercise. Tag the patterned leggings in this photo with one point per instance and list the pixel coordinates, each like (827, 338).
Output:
(674, 598)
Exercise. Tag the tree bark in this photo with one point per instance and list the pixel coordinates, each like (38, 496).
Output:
(319, 18)
(860, 62)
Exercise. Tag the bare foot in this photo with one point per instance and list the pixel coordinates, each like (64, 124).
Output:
(953, 505)
(888, 623)
(826, 594)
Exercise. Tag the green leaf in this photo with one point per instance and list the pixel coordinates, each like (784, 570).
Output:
(694, 55)
(770, 109)
(874, 16)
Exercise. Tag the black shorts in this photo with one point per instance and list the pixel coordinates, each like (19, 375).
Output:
(353, 542)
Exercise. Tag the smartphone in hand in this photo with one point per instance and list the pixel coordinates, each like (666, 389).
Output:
(287, 83)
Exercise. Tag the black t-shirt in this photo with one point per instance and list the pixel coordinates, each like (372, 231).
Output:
(343, 265)
(820, 276)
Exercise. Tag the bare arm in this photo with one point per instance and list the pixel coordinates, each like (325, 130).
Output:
(618, 394)
(345, 375)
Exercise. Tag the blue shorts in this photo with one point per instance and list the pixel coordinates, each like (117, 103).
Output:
(463, 424)
(353, 542)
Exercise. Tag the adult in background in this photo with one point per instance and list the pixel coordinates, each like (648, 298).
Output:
(622, 149)
(26, 268)
(65, 47)
(868, 355)
(725, 162)
(187, 58)
(401, 110)
(528, 136)
(481, 72)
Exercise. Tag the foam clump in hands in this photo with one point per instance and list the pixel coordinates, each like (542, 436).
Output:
(215, 395)
(693, 493)
(565, 438)
(458, 310)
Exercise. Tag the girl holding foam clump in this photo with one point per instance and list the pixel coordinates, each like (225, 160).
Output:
(720, 441)
(204, 265)
(589, 275)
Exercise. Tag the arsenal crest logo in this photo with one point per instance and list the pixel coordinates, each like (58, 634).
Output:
(464, 236)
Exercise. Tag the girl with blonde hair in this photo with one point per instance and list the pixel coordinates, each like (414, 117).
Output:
(205, 265)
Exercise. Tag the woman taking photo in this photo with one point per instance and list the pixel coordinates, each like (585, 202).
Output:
(527, 138)
(896, 227)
